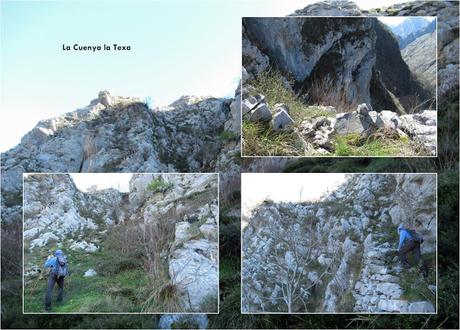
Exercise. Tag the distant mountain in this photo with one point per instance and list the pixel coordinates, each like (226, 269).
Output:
(404, 42)
(420, 56)
(409, 26)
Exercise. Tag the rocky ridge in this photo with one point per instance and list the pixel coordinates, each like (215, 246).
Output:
(117, 134)
(447, 20)
(420, 56)
(54, 209)
(347, 241)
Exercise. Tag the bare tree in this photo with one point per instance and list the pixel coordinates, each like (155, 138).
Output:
(293, 253)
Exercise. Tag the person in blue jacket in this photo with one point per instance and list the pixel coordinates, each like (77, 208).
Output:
(58, 271)
(407, 244)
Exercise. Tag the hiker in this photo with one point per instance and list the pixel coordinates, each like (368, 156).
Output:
(409, 241)
(58, 272)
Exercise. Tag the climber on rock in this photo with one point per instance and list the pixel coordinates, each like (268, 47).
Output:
(409, 241)
(58, 272)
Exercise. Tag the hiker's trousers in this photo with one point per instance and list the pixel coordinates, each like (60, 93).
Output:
(410, 246)
(414, 247)
(52, 280)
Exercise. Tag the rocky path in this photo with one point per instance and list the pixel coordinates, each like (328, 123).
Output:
(378, 288)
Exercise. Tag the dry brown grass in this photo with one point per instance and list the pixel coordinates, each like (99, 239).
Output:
(324, 92)
(415, 105)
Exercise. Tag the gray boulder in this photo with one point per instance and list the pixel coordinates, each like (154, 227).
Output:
(392, 305)
(388, 119)
(261, 113)
(281, 106)
(423, 127)
(249, 103)
(90, 273)
(364, 109)
(194, 271)
(348, 123)
(421, 307)
(282, 120)
(174, 321)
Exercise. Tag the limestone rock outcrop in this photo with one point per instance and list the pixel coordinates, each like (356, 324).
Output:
(339, 254)
(55, 210)
(353, 60)
(420, 56)
(191, 202)
(121, 134)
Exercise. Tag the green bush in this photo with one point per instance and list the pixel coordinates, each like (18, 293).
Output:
(227, 136)
(158, 185)
(120, 262)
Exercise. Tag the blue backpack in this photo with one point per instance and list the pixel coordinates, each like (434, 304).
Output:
(61, 267)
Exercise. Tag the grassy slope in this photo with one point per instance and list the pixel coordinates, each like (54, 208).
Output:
(120, 292)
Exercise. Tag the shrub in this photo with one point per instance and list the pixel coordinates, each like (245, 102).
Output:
(110, 304)
(115, 263)
(163, 296)
(209, 304)
(158, 185)
(227, 136)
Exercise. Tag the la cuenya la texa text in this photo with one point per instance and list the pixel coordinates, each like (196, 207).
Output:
(95, 48)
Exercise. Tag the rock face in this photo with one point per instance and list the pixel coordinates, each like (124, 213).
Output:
(302, 51)
(353, 60)
(420, 56)
(192, 202)
(447, 29)
(338, 254)
(54, 210)
(117, 134)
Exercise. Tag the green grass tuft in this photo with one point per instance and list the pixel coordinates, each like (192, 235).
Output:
(355, 145)
(260, 141)
(158, 185)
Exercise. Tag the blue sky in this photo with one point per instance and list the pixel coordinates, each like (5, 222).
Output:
(178, 48)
